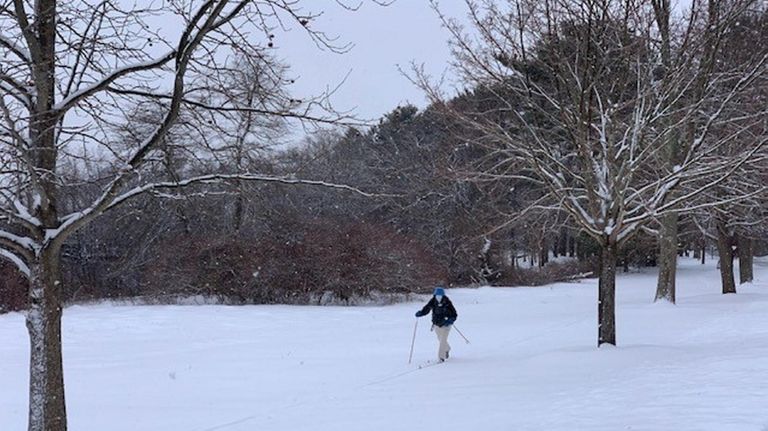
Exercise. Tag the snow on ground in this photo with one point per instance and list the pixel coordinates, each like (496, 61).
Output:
(532, 364)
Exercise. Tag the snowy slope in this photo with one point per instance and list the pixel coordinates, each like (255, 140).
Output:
(532, 364)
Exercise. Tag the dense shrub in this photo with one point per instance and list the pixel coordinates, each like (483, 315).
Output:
(324, 261)
(13, 289)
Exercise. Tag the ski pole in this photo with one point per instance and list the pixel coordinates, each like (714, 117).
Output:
(413, 340)
(462, 335)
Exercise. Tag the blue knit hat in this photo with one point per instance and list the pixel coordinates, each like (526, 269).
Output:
(439, 291)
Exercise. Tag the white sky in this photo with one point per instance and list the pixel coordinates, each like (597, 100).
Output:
(383, 38)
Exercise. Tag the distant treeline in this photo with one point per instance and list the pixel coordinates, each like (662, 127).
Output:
(430, 222)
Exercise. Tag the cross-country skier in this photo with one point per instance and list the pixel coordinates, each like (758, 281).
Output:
(443, 316)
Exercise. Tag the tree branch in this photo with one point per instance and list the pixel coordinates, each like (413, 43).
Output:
(64, 105)
(247, 109)
(17, 261)
(221, 178)
(17, 50)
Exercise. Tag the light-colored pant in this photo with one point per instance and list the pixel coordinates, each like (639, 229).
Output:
(442, 337)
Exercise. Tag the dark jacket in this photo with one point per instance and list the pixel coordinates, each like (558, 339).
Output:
(443, 312)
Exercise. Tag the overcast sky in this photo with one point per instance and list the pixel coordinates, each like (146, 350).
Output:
(383, 38)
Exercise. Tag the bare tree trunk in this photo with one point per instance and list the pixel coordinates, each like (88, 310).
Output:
(667, 258)
(726, 257)
(571, 246)
(625, 261)
(606, 306)
(47, 411)
(667, 261)
(238, 215)
(703, 249)
(746, 270)
(562, 243)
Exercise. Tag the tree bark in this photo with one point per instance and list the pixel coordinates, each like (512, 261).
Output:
(606, 305)
(667, 261)
(746, 270)
(238, 214)
(47, 411)
(562, 243)
(625, 261)
(725, 251)
(571, 246)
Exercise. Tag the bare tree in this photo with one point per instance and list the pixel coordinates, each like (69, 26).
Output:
(584, 108)
(736, 222)
(242, 139)
(694, 42)
(71, 73)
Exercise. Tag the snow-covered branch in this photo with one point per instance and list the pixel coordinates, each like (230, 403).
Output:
(222, 178)
(17, 50)
(19, 244)
(16, 261)
(71, 100)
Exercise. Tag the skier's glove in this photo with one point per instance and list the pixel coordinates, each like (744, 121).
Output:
(448, 321)
(419, 313)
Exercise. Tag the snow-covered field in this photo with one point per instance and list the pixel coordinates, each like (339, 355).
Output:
(532, 364)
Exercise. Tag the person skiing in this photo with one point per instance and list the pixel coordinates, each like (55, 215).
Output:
(443, 316)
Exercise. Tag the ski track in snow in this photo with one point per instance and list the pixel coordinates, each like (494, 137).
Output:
(699, 365)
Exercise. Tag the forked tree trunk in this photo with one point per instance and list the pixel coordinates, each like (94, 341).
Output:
(725, 251)
(47, 411)
(667, 261)
(606, 304)
(746, 265)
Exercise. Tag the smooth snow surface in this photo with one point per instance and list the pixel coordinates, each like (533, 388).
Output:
(532, 364)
